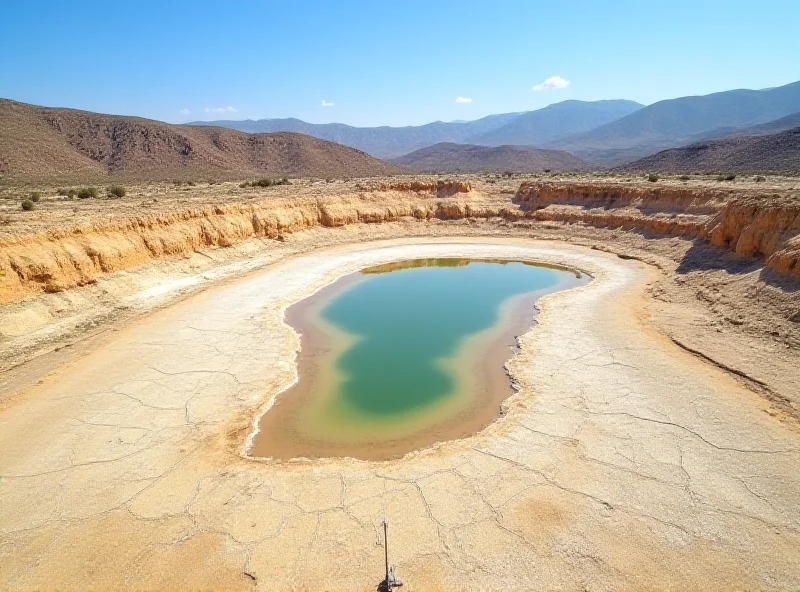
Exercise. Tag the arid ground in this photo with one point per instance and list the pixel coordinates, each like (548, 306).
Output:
(653, 441)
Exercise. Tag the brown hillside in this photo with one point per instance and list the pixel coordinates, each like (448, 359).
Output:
(774, 152)
(452, 157)
(50, 143)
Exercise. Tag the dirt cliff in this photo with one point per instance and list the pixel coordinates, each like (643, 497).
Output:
(66, 256)
(751, 225)
(759, 227)
(59, 259)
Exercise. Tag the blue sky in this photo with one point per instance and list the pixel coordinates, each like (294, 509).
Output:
(381, 62)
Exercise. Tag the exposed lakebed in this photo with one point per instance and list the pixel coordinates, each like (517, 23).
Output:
(400, 356)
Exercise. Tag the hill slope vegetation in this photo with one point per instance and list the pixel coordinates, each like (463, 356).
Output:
(449, 157)
(50, 143)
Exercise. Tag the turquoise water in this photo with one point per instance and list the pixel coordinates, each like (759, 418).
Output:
(407, 321)
(400, 356)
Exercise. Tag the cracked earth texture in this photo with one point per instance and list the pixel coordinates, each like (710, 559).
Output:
(623, 462)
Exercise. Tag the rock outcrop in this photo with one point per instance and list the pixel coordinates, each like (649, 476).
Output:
(62, 258)
(755, 227)
(59, 259)
(750, 225)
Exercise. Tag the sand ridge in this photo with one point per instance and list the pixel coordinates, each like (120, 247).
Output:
(623, 461)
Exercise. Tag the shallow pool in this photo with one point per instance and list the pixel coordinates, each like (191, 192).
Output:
(400, 356)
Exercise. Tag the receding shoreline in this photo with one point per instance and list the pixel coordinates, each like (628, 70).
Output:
(476, 403)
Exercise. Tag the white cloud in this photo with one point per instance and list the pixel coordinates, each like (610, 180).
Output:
(552, 83)
(326, 103)
(463, 100)
(220, 109)
(185, 112)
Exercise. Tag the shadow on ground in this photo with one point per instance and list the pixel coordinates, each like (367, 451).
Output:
(703, 257)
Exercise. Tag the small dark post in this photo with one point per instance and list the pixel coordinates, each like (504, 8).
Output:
(389, 582)
(386, 548)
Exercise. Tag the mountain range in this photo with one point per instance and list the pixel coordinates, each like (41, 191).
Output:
(533, 127)
(556, 122)
(604, 133)
(675, 122)
(736, 130)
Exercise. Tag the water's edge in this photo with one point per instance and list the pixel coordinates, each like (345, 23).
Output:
(272, 440)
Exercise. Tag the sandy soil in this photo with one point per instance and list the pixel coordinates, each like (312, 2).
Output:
(624, 462)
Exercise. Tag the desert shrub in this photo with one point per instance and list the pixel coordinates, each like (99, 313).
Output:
(27, 205)
(87, 192)
(61, 191)
(115, 191)
(547, 170)
(71, 193)
(267, 182)
(35, 196)
(760, 178)
(652, 177)
(729, 177)
(684, 177)
(190, 183)
(245, 184)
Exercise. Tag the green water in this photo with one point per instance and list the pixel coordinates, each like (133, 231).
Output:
(401, 356)
(408, 320)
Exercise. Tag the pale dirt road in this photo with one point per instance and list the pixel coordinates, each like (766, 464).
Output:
(623, 462)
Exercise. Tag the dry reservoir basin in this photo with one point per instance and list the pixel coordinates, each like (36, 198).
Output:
(397, 357)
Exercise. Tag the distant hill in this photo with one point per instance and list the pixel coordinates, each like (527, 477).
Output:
(556, 121)
(451, 157)
(41, 142)
(550, 123)
(676, 121)
(770, 152)
(382, 142)
(784, 123)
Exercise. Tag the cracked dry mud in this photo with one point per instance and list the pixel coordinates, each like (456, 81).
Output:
(623, 462)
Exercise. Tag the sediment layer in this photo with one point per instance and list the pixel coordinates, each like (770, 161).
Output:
(749, 225)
